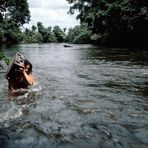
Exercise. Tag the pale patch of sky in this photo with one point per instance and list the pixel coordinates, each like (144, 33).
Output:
(51, 13)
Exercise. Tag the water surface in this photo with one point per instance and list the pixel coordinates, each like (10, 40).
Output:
(85, 96)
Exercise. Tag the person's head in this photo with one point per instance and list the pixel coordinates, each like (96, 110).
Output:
(27, 66)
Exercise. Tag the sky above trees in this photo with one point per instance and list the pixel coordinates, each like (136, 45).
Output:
(51, 13)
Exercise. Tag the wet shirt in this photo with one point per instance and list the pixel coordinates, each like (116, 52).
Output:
(18, 82)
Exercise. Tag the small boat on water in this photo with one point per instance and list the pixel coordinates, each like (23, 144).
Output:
(66, 45)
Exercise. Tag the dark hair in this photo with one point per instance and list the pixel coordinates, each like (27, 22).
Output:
(26, 62)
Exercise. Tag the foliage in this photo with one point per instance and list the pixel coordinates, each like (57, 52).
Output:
(42, 30)
(59, 34)
(15, 10)
(9, 32)
(4, 58)
(40, 34)
(13, 14)
(34, 28)
(48, 35)
(114, 21)
(30, 36)
(79, 34)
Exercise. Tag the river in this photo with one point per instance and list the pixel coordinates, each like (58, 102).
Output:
(85, 96)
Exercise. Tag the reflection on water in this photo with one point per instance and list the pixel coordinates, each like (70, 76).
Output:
(85, 97)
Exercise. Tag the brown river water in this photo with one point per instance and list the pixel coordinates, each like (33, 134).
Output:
(85, 96)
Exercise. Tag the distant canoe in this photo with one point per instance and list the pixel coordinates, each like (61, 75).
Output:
(66, 45)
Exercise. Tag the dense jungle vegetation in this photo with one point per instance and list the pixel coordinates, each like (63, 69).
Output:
(119, 23)
(114, 22)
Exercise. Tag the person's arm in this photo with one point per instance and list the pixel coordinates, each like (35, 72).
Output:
(29, 78)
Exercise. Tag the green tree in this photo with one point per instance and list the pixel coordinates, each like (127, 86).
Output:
(79, 34)
(4, 58)
(59, 33)
(33, 28)
(44, 32)
(48, 35)
(15, 10)
(13, 14)
(51, 36)
(114, 22)
(10, 33)
(31, 36)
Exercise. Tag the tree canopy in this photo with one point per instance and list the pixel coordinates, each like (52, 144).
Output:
(41, 34)
(15, 10)
(79, 34)
(104, 22)
(13, 14)
(114, 21)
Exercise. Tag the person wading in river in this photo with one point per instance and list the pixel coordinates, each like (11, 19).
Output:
(22, 78)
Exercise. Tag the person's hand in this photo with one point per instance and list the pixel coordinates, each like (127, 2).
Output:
(21, 69)
(24, 71)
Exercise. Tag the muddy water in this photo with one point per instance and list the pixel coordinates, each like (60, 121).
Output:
(84, 96)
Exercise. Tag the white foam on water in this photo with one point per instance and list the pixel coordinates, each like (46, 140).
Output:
(12, 113)
(36, 89)
(15, 110)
